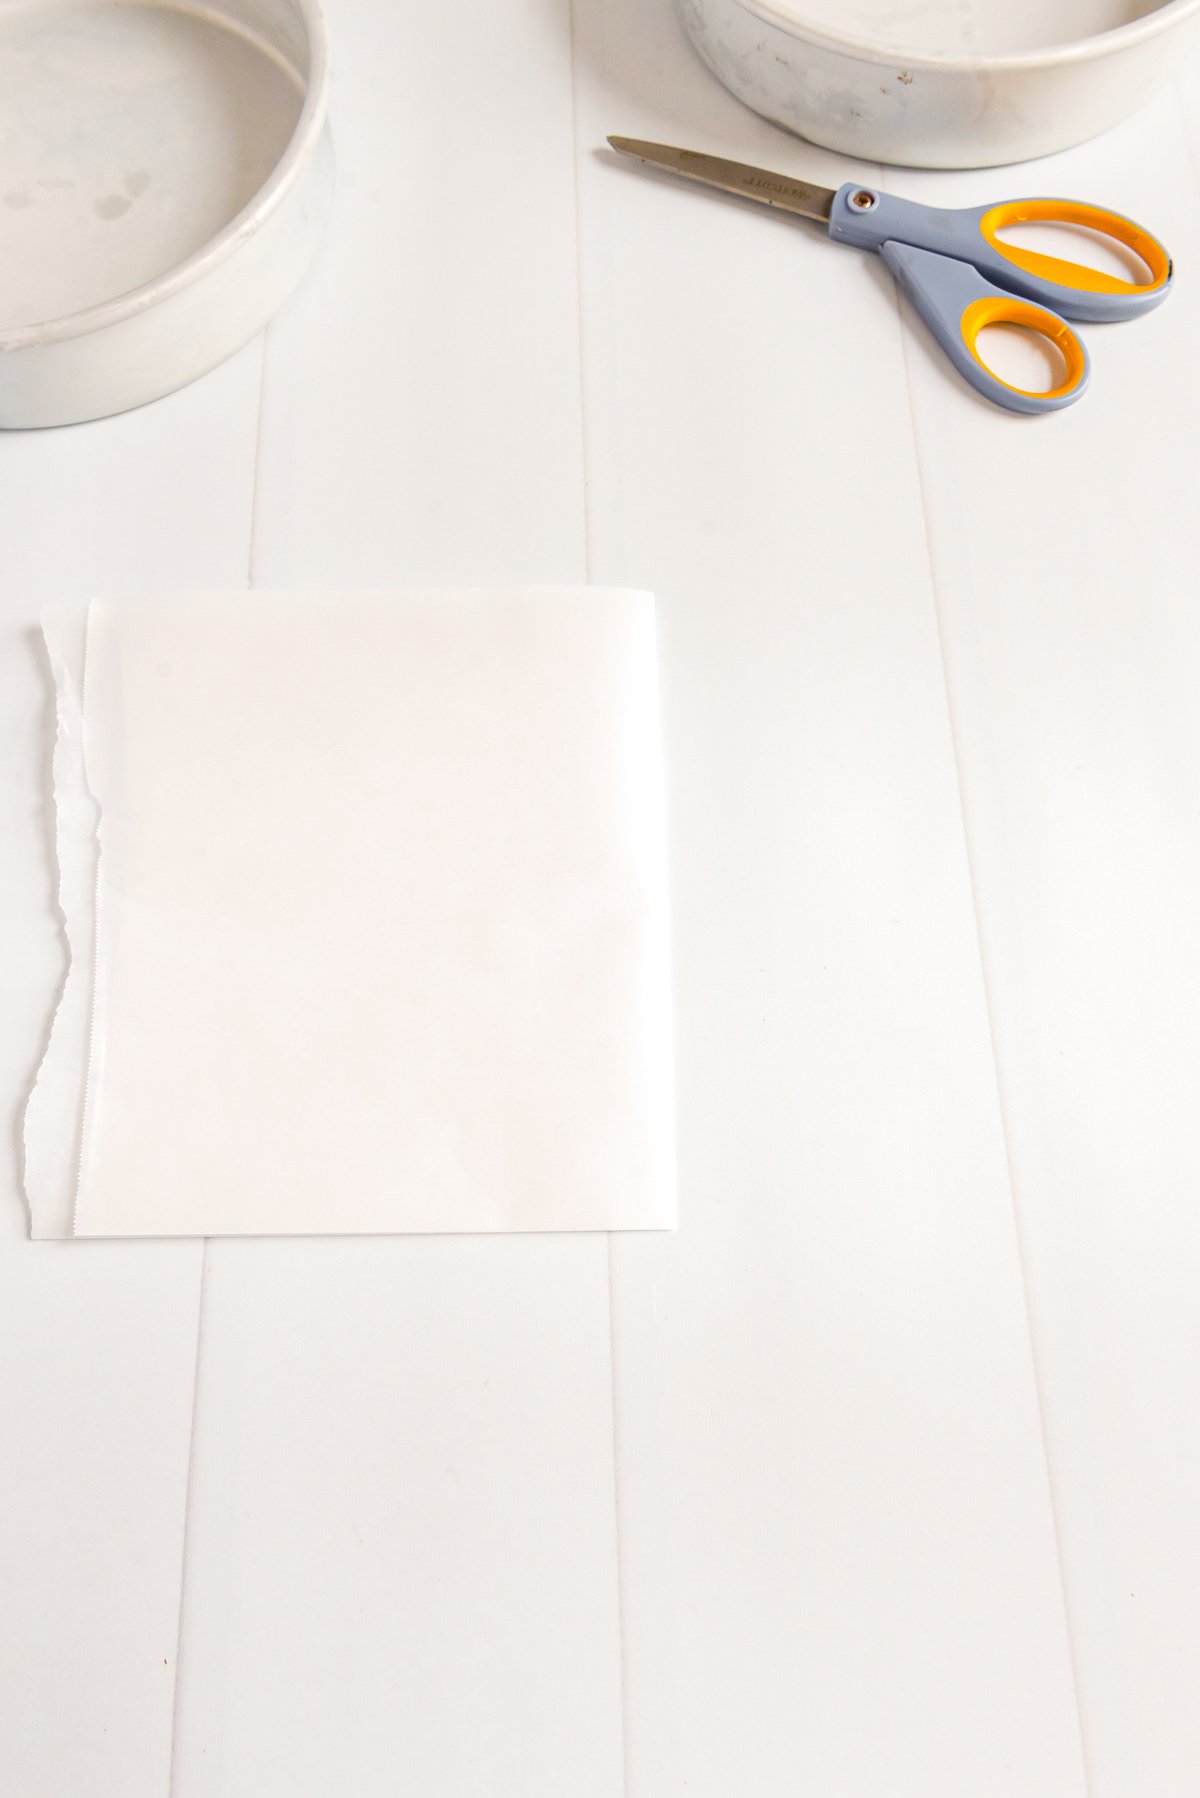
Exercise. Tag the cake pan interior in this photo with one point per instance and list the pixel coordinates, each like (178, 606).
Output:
(132, 135)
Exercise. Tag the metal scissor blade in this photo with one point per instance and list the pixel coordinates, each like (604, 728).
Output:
(734, 177)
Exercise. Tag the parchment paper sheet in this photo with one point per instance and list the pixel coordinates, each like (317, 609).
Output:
(365, 899)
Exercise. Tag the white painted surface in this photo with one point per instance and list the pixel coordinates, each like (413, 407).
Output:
(97, 1351)
(762, 1506)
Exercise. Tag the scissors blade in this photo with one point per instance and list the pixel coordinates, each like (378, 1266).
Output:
(739, 178)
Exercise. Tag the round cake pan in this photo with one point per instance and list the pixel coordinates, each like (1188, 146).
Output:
(165, 171)
(935, 85)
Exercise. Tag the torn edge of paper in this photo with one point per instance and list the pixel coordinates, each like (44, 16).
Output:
(53, 1122)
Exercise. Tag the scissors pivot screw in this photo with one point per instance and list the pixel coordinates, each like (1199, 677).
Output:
(864, 199)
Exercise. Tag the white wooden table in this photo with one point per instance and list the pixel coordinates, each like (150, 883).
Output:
(881, 1476)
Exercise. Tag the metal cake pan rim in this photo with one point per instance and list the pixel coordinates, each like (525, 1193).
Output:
(244, 224)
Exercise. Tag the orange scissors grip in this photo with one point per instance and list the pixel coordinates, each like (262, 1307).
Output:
(1062, 273)
(1005, 309)
(957, 304)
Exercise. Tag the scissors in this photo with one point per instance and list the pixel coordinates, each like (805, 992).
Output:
(954, 267)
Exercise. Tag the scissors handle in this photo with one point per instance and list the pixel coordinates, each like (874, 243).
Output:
(957, 304)
(869, 219)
